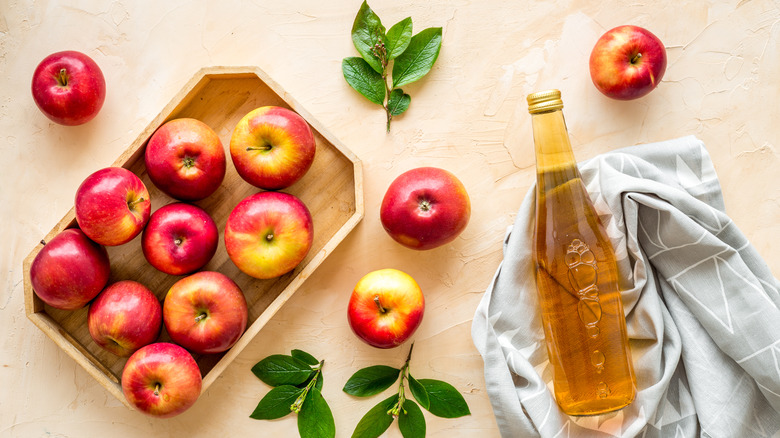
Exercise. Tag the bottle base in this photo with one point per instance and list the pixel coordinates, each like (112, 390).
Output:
(596, 407)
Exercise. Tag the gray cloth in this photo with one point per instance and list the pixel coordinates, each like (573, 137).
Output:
(701, 308)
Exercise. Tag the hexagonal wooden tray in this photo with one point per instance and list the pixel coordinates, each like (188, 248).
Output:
(332, 190)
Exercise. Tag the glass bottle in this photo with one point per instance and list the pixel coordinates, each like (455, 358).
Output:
(576, 276)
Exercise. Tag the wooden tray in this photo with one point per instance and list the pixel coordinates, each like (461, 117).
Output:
(332, 190)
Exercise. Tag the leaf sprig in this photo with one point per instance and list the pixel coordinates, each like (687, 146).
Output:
(297, 381)
(412, 57)
(437, 397)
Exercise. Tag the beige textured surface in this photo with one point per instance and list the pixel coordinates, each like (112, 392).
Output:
(467, 116)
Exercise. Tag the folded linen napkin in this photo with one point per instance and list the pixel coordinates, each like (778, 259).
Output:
(701, 308)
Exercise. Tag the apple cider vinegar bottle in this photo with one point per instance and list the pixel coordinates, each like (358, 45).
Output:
(576, 276)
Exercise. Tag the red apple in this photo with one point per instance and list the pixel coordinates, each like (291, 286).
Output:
(205, 312)
(185, 159)
(627, 62)
(112, 206)
(385, 308)
(124, 317)
(70, 270)
(161, 380)
(425, 208)
(268, 234)
(272, 147)
(179, 238)
(69, 87)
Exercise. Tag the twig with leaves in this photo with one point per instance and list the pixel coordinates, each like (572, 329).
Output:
(437, 397)
(412, 57)
(297, 381)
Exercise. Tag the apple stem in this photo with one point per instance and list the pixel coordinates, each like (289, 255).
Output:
(635, 58)
(265, 147)
(62, 78)
(379, 304)
(133, 203)
(201, 317)
(157, 388)
(178, 241)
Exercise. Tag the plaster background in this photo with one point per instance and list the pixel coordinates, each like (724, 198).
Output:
(468, 116)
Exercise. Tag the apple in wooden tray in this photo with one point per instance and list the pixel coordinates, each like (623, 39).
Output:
(112, 206)
(627, 62)
(205, 312)
(162, 380)
(425, 208)
(179, 239)
(185, 159)
(124, 317)
(272, 147)
(70, 270)
(69, 87)
(268, 234)
(385, 308)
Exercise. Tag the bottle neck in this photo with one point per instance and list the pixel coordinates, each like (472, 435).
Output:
(551, 141)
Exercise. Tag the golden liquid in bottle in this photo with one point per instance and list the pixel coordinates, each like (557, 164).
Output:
(577, 280)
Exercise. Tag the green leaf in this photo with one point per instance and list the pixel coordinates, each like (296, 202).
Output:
(445, 400)
(419, 392)
(377, 420)
(417, 60)
(367, 31)
(411, 421)
(315, 420)
(276, 404)
(398, 102)
(304, 357)
(280, 369)
(371, 380)
(365, 80)
(398, 37)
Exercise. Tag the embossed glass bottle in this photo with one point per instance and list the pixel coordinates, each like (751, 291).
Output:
(576, 276)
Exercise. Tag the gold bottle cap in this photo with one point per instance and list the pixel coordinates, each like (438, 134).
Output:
(544, 101)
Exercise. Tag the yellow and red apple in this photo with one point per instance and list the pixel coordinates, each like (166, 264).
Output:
(425, 208)
(180, 238)
(272, 147)
(124, 317)
(268, 234)
(205, 312)
(185, 159)
(627, 62)
(70, 270)
(161, 380)
(385, 308)
(112, 206)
